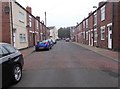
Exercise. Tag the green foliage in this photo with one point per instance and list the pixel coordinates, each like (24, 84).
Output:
(64, 32)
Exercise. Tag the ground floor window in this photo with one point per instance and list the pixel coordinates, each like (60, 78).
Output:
(86, 35)
(103, 33)
(22, 37)
(95, 35)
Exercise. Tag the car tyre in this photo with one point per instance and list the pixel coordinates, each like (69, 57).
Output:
(36, 49)
(16, 74)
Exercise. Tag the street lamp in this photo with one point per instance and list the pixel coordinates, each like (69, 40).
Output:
(94, 6)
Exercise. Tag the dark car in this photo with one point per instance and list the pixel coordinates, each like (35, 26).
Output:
(12, 63)
(43, 45)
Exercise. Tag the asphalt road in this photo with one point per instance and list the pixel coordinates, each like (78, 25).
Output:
(68, 65)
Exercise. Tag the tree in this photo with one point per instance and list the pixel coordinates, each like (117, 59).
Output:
(64, 32)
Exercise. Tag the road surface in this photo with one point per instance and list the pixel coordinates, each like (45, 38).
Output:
(68, 65)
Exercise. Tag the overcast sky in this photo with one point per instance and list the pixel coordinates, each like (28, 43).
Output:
(61, 13)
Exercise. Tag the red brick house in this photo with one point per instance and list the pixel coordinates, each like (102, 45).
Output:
(101, 27)
(107, 25)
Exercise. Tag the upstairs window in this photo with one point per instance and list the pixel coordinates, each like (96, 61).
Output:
(95, 18)
(21, 17)
(30, 20)
(86, 23)
(86, 35)
(103, 13)
(37, 24)
(83, 24)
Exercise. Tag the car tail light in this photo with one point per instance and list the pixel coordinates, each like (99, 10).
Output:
(46, 42)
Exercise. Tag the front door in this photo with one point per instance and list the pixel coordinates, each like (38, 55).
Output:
(110, 37)
(89, 37)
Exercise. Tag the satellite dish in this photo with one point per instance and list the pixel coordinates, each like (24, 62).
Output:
(7, 9)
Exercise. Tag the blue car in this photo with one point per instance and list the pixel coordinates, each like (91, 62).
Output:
(43, 45)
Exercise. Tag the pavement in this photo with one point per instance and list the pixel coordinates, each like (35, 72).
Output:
(27, 52)
(114, 55)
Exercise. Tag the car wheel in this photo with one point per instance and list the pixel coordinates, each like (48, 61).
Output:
(36, 49)
(17, 74)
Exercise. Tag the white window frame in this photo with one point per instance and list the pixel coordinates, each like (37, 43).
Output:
(95, 35)
(37, 24)
(21, 17)
(87, 35)
(84, 34)
(102, 13)
(86, 23)
(95, 18)
(30, 20)
(22, 37)
(103, 33)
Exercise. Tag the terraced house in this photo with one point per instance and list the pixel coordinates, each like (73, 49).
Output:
(18, 26)
(102, 27)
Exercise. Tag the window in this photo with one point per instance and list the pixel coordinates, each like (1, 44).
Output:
(83, 24)
(30, 20)
(22, 38)
(103, 33)
(37, 24)
(95, 35)
(86, 35)
(103, 13)
(95, 18)
(86, 23)
(21, 17)
(10, 48)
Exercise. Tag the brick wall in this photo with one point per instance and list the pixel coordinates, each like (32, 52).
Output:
(119, 27)
(6, 29)
(108, 19)
(30, 29)
(0, 21)
(116, 26)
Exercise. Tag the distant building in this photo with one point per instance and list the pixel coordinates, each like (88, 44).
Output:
(72, 29)
(53, 32)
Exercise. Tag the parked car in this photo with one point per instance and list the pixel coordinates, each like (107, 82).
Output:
(51, 42)
(67, 39)
(54, 41)
(12, 64)
(43, 45)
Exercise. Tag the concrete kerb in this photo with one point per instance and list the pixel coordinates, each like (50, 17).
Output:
(97, 50)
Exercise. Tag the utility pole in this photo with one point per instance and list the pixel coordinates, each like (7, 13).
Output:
(45, 27)
(45, 20)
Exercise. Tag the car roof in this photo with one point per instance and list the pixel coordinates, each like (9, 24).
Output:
(1, 43)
